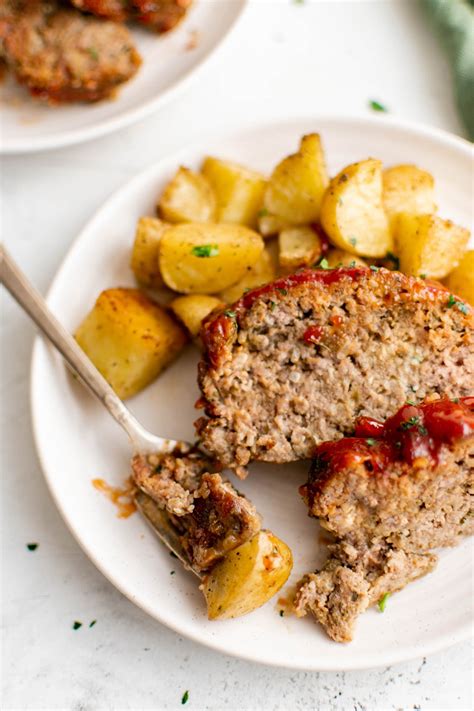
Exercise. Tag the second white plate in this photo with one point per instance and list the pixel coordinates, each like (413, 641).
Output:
(168, 62)
(77, 441)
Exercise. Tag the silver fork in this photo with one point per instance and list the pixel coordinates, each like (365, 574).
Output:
(142, 441)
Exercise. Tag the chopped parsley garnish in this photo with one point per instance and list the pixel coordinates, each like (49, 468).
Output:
(91, 624)
(422, 430)
(32, 546)
(229, 313)
(452, 301)
(394, 259)
(371, 441)
(411, 422)
(158, 468)
(411, 402)
(353, 241)
(185, 697)
(374, 268)
(282, 291)
(76, 625)
(377, 106)
(382, 602)
(93, 53)
(352, 264)
(263, 212)
(205, 250)
(282, 613)
(324, 264)
(422, 276)
(272, 305)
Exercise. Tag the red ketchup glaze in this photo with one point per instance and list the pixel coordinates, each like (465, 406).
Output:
(313, 334)
(415, 432)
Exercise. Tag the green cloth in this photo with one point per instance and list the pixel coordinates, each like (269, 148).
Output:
(454, 22)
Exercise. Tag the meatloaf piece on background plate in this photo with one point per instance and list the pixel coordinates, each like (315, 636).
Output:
(211, 517)
(294, 363)
(389, 496)
(62, 56)
(159, 15)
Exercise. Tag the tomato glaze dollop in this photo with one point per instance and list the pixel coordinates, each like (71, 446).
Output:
(414, 435)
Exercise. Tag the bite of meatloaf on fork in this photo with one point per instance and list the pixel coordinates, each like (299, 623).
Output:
(293, 363)
(389, 496)
(211, 517)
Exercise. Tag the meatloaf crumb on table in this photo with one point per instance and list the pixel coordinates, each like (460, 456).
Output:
(159, 15)
(294, 363)
(389, 496)
(62, 56)
(210, 516)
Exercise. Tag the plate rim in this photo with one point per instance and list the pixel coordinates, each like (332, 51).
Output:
(416, 650)
(132, 115)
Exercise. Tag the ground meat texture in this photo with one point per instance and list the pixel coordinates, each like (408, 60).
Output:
(159, 15)
(62, 56)
(294, 363)
(387, 509)
(211, 517)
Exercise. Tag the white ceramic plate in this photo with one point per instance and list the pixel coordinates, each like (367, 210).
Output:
(77, 441)
(168, 62)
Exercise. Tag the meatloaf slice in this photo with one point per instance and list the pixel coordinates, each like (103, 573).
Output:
(211, 517)
(159, 15)
(388, 496)
(62, 56)
(293, 363)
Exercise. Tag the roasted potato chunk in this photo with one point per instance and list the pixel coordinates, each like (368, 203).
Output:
(340, 258)
(144, 261)
(247, 577)
(193, 308)
(428, 245)
(461, 280)
(298, 247)
(262, 272)
(130, 339)
(407, 188)
(352, 212)
(206, 258)
(188, 197)
(270, 225)
(297, 184)
(239, 191)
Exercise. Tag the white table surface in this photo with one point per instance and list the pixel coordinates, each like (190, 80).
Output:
(285, 59)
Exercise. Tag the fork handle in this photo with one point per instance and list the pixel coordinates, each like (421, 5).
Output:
(35, 306)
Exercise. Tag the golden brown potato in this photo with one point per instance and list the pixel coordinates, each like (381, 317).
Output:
(144, 261)
(239, 191)
(188, 197)
(262, 272)
(298, 247)
(271, 225)
(407, 188)
(461, 280)
(428, 245)
(206, 258)
(247, 577)
(340, 258)
(297, 184)
(130, 339)
(193, 308)
(352, 212)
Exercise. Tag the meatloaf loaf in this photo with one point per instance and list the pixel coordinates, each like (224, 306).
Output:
(295, 362)
(62, 56)
(211, 517)
(388, 496)
(159, 15)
